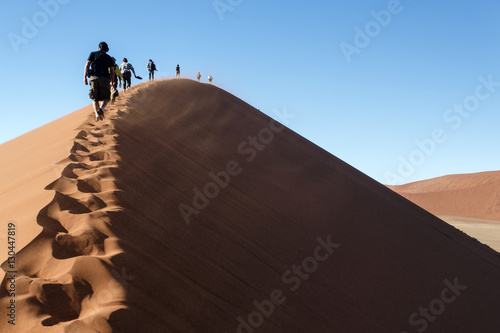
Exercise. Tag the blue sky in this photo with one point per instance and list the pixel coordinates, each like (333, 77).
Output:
(402, 90)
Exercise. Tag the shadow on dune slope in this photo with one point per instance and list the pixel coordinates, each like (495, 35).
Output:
(232, 223)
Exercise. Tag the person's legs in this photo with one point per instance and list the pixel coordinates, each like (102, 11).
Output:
(104, 95)
(96, 108)
(95, 94)
(124, 79)
(114, 91)
(127, 80)
(103, 104)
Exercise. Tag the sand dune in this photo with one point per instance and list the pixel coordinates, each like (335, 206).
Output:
(470, 202)
(469, 195)
(188, 210)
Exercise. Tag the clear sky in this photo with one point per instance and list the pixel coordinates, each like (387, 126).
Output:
(402, 90)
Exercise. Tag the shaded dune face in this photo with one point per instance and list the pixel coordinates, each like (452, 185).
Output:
(188, 210)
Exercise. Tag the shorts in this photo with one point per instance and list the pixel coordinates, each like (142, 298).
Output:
(99, 88)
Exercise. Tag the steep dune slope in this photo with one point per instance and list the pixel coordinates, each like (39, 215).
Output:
(188, 210)
(269, 200)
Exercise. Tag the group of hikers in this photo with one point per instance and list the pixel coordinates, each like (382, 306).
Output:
(105, 76)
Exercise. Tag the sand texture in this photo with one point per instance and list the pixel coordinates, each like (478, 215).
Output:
(188, 210)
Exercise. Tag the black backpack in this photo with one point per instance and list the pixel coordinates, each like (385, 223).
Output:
(100, 70)
(91, 70)
(152, 67)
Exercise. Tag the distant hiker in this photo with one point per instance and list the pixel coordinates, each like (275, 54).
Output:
(177, 72)
(118, 79)
(125, 68)
(210, 78)
(151, 68)
(198, 76)
(100, 69)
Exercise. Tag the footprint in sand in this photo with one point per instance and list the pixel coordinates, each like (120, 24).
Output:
(99, 156)
(89, 185)
(78, 147)
(69, 170)
(82, 134)
(88, 242)
(61, 301)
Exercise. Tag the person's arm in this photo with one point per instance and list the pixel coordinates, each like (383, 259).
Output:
(87, 66)
(133, 71)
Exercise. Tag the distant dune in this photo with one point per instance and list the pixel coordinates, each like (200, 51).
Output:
(470, 202)
(188, 210)
(474, 195)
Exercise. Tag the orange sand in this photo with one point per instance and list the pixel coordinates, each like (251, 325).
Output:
(285, 238)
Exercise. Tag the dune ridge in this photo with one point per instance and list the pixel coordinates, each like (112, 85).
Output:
(295, 241)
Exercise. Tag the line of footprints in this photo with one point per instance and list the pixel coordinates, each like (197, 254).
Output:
(67, 270)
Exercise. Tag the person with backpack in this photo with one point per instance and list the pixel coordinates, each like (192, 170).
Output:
(151, 68)
(198, 76)
(210, 78)
(126, 69)
(177, 71)
(99, 69)
(118, 79)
